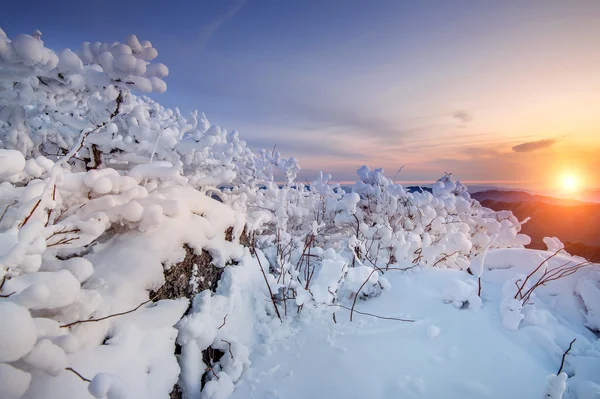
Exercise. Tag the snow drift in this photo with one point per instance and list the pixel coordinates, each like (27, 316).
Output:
(101, 191)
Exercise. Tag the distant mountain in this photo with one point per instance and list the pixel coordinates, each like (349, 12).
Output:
(522, 196)
(573, 222)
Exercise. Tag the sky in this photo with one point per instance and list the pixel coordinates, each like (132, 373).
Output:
(504, 93)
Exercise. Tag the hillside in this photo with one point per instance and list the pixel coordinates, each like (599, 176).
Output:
(573, 222)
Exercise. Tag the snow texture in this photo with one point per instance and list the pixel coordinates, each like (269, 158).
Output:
(101, 188)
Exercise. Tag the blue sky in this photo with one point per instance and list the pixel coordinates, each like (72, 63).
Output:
(435, 86)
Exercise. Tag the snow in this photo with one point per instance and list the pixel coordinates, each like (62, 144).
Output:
(589, 291)
(375, 358)
(107, 386)
(459, 293)
(432, 331)
(11, 163)
(13, 381)
(47, 357)
(376, 292)
(17, 332)
(556, 386)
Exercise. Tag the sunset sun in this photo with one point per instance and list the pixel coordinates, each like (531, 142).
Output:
(570, 182)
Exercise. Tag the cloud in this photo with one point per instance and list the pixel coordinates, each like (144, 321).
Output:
(209, 29)
(462, 116)
(534, 145)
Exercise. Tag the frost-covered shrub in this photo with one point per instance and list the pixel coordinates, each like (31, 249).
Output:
(320, 241)
(100, 189)
(47, 99)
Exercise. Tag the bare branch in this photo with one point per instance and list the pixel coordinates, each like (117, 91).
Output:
(444, 258)
(534, 271)
(562, 363)
(3, 281)
(6, 209)
(224, 321)
(229, 345)
(253, 250)
(50, 210)
(373, 315)
(24, 222)
(358, 292)
(106, 317)
(78, 375)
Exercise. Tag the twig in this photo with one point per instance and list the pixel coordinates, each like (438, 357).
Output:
(403, 269)
(78, 375)
(373, 315)
(63, 231)
(519, 292)
(399, 170)
(444, 258)
(50, 210)
(224, 321)
(24, 222)
(3, 281)
(6, 209)
(562, 363)
(229, 345)
(106, 317)
(253, 249)
(213, 371)
(62, 241)
(73, 152)
(358, 292)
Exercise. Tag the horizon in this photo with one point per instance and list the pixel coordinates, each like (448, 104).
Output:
(494, 92)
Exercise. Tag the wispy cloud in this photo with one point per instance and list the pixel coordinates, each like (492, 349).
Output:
(209, 29)
(462, 116)
(534, 145)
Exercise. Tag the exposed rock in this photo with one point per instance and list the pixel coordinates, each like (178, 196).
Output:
(195, 273)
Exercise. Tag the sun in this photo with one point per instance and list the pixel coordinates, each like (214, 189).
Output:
(570, 182)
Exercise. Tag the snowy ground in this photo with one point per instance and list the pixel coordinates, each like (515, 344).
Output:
(101, 189)
(446, 353)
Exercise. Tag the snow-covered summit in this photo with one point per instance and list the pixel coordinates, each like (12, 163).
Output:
(105, 196)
